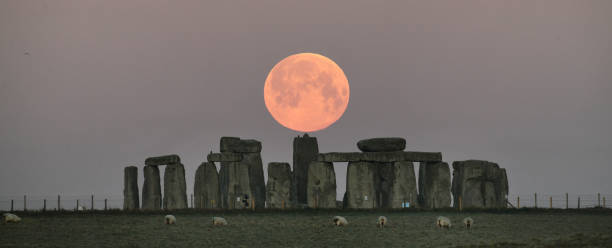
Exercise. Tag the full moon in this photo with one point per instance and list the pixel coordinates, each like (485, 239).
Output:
(306, 92)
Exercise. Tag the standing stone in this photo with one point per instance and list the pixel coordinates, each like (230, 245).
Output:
(278, 189)
(234, 185)
(305, 150)
(175, 192)
(404, 188)
(242, 182)
(256, 177)
(321, 185)
(481, 184)
(151, 188)
(434, 185)
(361, 185)
(130, 188)
(206, 186)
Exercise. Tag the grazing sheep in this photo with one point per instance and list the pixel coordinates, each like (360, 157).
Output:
(468, 222)
(340, 221)
(8, 217)
(169, 219)
(81, 208)
(219, 221)
(382, 221)
(443, 222)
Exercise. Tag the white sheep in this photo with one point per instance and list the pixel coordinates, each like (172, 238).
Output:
(169, 219)
(81, 208)
(468, 222)
(382, 221)
(219, 221)
(443, 222)
(340, 221)
(8, 217)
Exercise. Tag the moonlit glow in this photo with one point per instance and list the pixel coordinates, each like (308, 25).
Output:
(306, 92)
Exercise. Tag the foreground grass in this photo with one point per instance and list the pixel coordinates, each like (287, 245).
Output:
(310, 229)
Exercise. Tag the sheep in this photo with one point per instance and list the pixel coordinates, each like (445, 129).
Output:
(382, 221)
(468, 222)
(170, 219)
(219, 221)
(81, 208)
(340, 221)
(443, 222)
(8, 217)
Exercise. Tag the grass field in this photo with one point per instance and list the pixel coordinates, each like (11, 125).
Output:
(508, 228)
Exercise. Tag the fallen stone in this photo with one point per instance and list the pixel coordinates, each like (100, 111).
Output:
(305, 150)
(163, 160)
(382, 144)
(224, 157)
(130, 188)
(175, 192)
(383, 157)
(206, 187)
(151, 188)
(434, 185)
(480, 184)
(237, 145)
(278, 189)
(321, 185)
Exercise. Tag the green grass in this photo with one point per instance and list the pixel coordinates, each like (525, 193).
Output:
(311, 228)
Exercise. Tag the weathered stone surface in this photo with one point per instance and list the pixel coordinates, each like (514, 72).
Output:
(382, 144)
(237, 145)
(404, 187)
(151, 188)
(234, 185)
(256, 178)
(206, 187)
(321, 185)
(175, 189)
(305, 150)
(434, 185)
(130, 188)
(380, 185)
(242, 183)
(481, 184)
(278, 189)
(163, 160)
(224, 157)
(362, 184)
(382, 157)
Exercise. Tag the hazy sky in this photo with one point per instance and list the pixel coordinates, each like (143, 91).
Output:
(88, 87)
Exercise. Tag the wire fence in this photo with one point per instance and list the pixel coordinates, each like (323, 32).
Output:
(110, 202)
(561, 201)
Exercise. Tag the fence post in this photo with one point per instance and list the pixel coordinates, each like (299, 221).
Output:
(518, 202)
(598, 200)
(460, 204)
(92, 202)
(253, 204)
(578, 202)
(566, 201)
(550, 199)
(77, 206)
(25, 208)
(58, 203)
(105, 204)
(535, 199)
(44, 205)
(12, 203)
